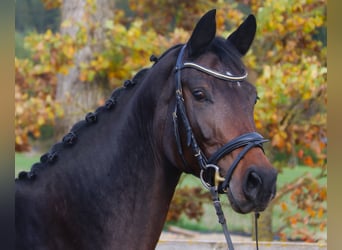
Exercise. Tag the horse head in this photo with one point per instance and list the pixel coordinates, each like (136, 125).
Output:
(213, 120)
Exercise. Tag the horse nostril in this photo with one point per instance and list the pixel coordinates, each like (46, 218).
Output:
(253, 181)
(253, 185)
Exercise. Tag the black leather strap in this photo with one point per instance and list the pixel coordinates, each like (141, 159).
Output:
(231, 169)
(236, 143)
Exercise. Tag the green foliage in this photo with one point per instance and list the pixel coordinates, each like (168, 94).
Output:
(170, 14)
(20, 51)
(31, 15)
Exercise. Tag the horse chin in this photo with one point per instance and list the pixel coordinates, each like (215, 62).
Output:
(239, 206)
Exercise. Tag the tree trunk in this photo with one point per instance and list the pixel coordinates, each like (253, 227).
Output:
(265, 232)
(77, 97)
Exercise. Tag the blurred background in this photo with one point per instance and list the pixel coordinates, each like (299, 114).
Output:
(70, 55)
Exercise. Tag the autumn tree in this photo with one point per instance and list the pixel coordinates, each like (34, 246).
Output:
(289, 61)
(78, 95)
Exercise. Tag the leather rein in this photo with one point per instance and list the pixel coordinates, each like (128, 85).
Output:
(248, 141)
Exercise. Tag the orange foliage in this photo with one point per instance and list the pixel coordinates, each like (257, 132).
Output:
(188, 201)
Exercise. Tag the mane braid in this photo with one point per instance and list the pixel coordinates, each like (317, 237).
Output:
(71, 137)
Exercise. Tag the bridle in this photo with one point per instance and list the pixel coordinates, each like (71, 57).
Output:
(247, 140)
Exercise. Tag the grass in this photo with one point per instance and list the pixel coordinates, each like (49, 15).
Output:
(23, 162)
(208, 223)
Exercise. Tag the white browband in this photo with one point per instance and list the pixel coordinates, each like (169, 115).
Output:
(228, 76)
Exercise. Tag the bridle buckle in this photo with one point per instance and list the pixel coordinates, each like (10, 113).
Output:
(217, 177)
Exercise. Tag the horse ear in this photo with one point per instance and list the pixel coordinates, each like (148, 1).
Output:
(203, 33)
(242, 38)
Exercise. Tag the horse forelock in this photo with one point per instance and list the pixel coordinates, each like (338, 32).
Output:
(227, 55)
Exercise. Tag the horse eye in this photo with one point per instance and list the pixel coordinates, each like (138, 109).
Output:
(199, 95)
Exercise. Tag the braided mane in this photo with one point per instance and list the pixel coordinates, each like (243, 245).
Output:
(70, 138)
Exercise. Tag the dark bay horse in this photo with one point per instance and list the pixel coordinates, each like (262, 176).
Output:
(109, 182)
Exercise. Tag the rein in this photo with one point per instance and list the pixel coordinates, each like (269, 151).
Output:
(247, 141)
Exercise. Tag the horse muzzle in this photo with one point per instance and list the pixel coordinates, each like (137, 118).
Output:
(257, 189)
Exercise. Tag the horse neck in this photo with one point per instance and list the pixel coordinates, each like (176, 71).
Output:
(147, 181)
(114, 177)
